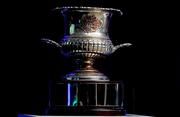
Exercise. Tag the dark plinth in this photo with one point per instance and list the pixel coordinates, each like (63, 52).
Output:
(87, 98)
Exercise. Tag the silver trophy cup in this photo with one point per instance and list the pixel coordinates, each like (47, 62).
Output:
(86, 91)
(85, 39)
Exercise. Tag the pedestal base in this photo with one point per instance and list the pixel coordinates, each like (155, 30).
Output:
(87, 98)
(87, 111)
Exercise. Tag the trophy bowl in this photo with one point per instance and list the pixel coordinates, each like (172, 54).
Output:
(85, 39)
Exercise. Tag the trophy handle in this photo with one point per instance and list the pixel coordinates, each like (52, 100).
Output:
(121, 45)
(51, 42)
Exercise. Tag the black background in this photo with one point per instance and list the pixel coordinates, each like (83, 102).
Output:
(147, 68)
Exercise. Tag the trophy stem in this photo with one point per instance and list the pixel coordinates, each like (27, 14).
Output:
(86, 72)
(86, 64)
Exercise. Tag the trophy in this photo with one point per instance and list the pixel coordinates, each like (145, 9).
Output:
(85, 90)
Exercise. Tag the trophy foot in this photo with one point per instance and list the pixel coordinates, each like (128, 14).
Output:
(86, 72)
(86, 75)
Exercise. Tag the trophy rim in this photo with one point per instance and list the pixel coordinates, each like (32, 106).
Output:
(84, 8)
